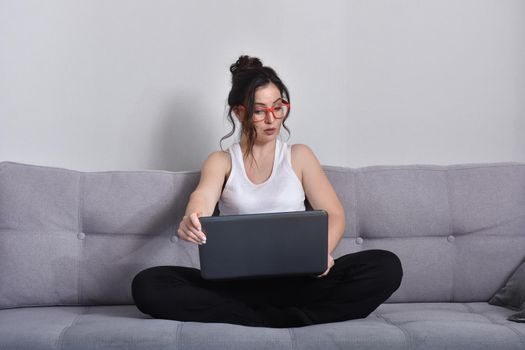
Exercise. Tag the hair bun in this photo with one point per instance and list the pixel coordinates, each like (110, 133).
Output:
(245, 62)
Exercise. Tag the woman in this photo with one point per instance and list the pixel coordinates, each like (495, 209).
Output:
(261, 173)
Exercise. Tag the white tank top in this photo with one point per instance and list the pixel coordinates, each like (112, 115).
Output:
(282, 191)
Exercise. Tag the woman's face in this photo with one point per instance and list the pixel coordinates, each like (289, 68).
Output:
(265, 96)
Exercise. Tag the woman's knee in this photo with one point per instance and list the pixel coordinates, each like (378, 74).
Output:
(148, 283)
(391, 267)
(141, 286)
(143, 279)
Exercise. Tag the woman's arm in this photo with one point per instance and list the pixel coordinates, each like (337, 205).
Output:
(205, 196)
(203, 200)
(321, 194)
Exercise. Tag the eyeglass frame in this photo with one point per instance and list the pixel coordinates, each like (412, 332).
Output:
(271, 109)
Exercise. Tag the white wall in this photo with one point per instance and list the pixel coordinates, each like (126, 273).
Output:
(127, 85)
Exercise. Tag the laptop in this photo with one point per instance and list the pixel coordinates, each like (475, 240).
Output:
(279, 244)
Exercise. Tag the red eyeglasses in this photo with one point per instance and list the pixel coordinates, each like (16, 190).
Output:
(279, 111)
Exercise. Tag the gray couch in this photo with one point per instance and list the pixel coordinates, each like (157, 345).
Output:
(71, 243)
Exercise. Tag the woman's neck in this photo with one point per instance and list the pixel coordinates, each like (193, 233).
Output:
(260, 150)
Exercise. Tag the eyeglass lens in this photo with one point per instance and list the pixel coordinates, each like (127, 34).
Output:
(279, 111)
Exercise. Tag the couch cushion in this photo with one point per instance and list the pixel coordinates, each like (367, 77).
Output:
(459, 230)
(79, 238)
(394, 326)
(74, 238)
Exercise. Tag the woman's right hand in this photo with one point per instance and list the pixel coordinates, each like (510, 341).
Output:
(190, 229)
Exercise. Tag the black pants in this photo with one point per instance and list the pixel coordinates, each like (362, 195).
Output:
(355, 286)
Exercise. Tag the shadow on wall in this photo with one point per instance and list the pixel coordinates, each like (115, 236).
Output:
(185, 135)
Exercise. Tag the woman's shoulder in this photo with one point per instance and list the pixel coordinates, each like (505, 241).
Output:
(220, 160)
(222, 157)
(300, 150)
(303, 156)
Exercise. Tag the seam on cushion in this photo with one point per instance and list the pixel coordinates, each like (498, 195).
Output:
(80, 229)
(292, 338)
(60, 340)
(511, 327)
(114, 235)
(356, 194)
(158, 171)
(79, 204)
(405, 333)
(50, 167)
(178, 333)
(450, 167)
(20, 306)
(453, 167)
(103, 172)
(440, 236)
(495, 224)
(450, 232)
(469, 309)
(493, 321)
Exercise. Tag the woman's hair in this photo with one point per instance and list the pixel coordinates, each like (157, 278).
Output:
(248, 73)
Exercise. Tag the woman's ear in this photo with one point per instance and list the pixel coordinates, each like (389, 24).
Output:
(239, 112)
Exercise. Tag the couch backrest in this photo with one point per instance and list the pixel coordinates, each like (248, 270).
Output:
(70, 237)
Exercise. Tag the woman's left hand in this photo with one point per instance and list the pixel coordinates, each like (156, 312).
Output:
(330, 264)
